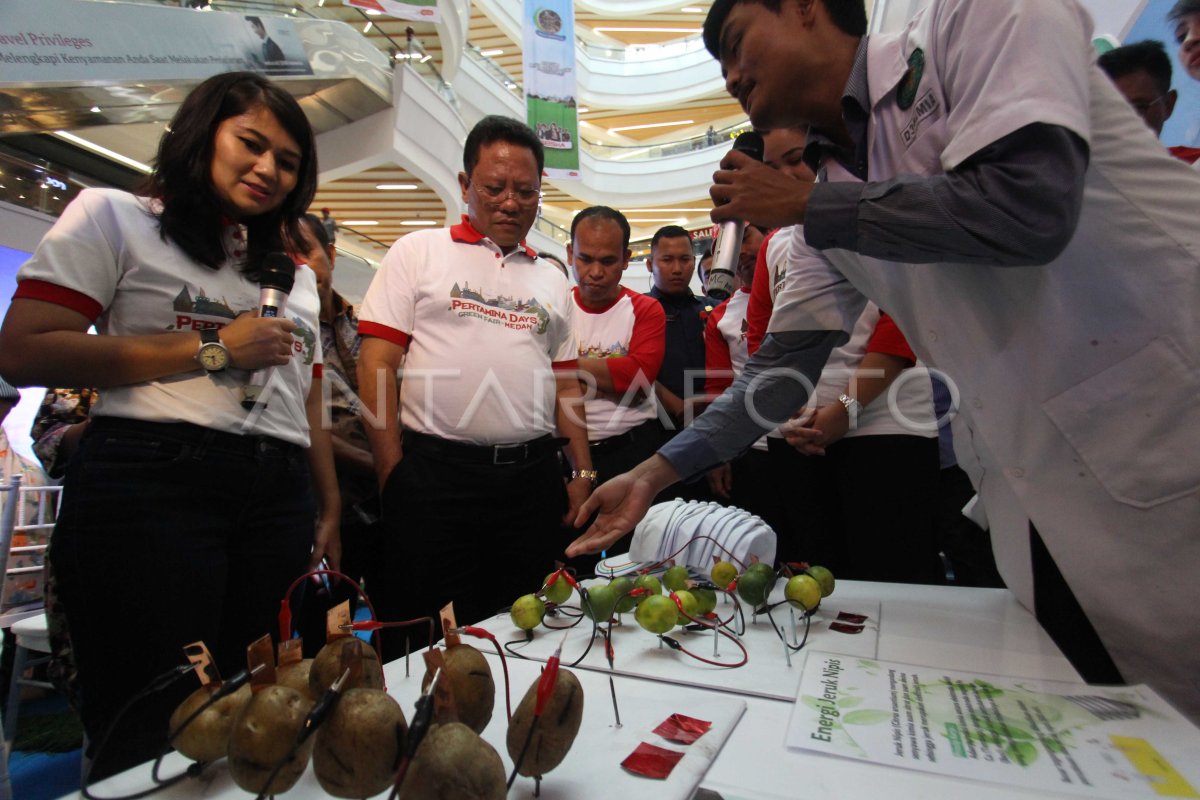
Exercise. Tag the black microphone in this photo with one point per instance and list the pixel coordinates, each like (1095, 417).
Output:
(276, 279)
(722, 272)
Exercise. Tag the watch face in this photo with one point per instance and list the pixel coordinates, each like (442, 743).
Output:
(213, 357)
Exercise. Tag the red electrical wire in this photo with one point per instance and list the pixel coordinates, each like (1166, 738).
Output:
(480, 633)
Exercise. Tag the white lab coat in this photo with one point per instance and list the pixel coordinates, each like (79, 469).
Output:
(1080, 379)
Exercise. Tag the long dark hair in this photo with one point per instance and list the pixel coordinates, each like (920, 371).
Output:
(191, 216)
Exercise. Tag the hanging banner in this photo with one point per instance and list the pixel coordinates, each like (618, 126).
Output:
(416, 10)
(549, 44)
(42, 41)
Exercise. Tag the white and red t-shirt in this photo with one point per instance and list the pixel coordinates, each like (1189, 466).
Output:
(725, 345)
(630, 333)
(106, 259)
(484, 333)
(910, 407)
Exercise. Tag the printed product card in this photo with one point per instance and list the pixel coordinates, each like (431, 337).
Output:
(1096, 741)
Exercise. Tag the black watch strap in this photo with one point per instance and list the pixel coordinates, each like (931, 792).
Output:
(210, 336)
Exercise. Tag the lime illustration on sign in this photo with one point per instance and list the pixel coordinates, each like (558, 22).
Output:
(415, 10)
(551, 107)
(1100, 742)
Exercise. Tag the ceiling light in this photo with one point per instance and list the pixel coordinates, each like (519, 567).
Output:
(104, 151)
(357, 223)
(95, 109)
(320, 3)
(692, 10)
(425, 58)
(367, 27)
(417, 223)
(651, 125)
(583, 109)
(371, 12)
(490, 53)
(647, 30)
(397, 187)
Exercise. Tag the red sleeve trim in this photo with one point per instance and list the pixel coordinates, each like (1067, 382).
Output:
(565, 366)
(647, 343)
(758, 310)
(33, 289)
(367, 328)
(318, 370)
(1189, 154)
(888, 339)
(718, 365)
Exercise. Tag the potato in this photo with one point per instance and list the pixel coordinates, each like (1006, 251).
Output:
(296, 676)
(453, 763)
(471, 682)
(206, 738)
(358, 746)
(555, 730)
(263, 735)
(327, 667)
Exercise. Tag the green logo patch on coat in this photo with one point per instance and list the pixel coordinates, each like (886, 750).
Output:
(911, 80)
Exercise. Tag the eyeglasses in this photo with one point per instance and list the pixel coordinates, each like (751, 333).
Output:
(495, 195)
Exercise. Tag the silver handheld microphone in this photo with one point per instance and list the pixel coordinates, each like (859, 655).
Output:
(278, 276)
(729, 233)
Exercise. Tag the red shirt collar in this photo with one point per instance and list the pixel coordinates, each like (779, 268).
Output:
(465, 232)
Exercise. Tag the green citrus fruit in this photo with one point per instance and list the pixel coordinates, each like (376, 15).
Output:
(723, 573)
(824, 577)
(527, 612)
(649, 583)
(803, 591)
(675, 578)
(755, 585)
(691, 607)
(600, 603)
(657, 614)
(706, 600)
(623, 586)
(559, 591)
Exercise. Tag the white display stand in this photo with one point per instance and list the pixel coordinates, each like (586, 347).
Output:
(981, 630)
(594, 760)
(766, 673)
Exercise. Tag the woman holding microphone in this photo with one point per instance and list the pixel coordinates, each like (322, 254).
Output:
(185, 516)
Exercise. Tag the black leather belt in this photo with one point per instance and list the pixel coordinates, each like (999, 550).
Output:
(496, 454)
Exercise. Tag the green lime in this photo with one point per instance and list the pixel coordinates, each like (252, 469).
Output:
(723, 574)
(691, 607)
(600, 602)
(649, 583)
(706, 601)
(755, 585)
(803, 591)
(559, 591)
(657, 614)
(623, 586)
(675, 578)
(527, 612)
(824, 577)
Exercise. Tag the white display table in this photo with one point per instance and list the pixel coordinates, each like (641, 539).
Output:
(982, 630)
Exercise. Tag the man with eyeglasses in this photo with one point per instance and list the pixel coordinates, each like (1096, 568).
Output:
(1032, 242)
(472, 490)
(1142, 74)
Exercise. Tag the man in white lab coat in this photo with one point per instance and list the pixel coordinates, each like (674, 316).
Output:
(985, 183)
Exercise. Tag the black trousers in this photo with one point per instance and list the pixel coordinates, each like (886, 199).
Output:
(610, 458)
(478, 534)
(866, 508)
(169, 534)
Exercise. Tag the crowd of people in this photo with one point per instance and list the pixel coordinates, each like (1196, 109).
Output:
(916, 232)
